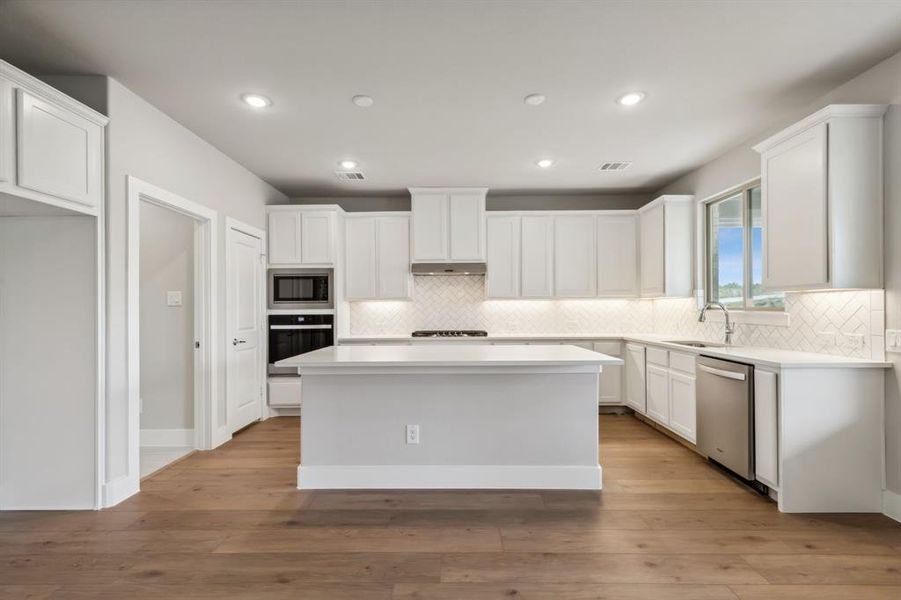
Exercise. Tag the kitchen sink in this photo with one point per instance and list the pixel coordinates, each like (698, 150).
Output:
(696, 344)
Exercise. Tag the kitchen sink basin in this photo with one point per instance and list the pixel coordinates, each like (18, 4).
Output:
(696, 344)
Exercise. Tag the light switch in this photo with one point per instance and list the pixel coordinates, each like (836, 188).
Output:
(893, 340)
(173, 298)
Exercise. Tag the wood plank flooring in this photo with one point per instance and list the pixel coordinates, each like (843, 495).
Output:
(230, 524)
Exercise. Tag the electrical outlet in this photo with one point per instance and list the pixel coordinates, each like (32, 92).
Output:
(854, 341)
(893, 340)
(173, 298)
(826, 337)
(412, 434)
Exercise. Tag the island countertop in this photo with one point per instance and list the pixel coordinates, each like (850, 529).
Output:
(481, 358)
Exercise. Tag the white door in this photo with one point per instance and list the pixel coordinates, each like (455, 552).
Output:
(317, 236)
(360, 258)
(393, 257)
(537, 257)
(429, 226)
(284, 237)
(682, 405)
(658, 388)
(652, 252)
(617, 244)
(503, 257)
(574, 257)
(467, 227)
(244, 284)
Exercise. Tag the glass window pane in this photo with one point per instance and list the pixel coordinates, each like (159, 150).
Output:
(759, 298)
(726, 239)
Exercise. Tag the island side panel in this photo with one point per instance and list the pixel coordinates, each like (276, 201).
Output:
(528, 431)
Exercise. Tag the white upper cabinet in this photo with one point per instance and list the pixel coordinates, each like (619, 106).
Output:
(448, 224)
(666, 228)
(537, 257)
(503, 256)
(821, 182)
(575, 269)
(377, 256)
(617, 255)
(51, 147)
(302, 236)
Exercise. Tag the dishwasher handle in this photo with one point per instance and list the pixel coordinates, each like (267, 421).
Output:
(723, 373)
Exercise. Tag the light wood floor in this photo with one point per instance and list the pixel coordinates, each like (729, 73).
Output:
(230, 524)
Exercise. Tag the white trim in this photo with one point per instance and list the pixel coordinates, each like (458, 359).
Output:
(167, 438)
(206, 406)
(891, 505)
(302, 207)
(539, 477)
(23, 80)
(823, 115)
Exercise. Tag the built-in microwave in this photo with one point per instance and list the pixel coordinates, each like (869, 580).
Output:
(301, 289)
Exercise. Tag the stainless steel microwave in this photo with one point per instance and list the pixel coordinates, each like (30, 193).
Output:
(301, 289)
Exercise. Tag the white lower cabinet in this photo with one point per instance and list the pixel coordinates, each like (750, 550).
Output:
(658, 394)
(670, 387)
(284, 392)
(610, 388)
(634, 377)
(682, 411)
(766, 427)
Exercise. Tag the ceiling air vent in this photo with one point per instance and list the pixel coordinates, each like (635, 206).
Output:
(621, 165)
(350, 175)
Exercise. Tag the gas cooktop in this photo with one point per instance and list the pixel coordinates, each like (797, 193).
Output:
(450, 333)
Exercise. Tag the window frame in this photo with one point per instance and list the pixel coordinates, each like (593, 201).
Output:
(747, 288)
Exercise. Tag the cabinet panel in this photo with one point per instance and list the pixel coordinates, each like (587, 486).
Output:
(652, 251)
(284, 237)
(635, 377)
(658, 394)
(58, 153)
(683, 415)
(317, 237)
(610, 388)
(360, 257)
(766, 428)
(430, 225)
(617, 255)
(574, 257)
(7, 131)
(537, 251)
(503, 257)
(467, 227)
(795, 212)
(393, 256)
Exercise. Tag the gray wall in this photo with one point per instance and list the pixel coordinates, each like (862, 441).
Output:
(167, 332)
(881, 84)
(496, 202)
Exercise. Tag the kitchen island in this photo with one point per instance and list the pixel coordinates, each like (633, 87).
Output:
(450, 416)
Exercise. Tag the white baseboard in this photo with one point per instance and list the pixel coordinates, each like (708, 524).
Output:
(891, 505)
(120, 489)
(449, 477)
(171, 438)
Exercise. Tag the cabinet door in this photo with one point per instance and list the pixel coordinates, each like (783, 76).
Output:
(467, 227)
(658, 388)
(611, 381)
(284, 237)
(393, 255)
(536, 257)
(617, 248)
(503, 257)
(58, 153)
(574, 257)
(652, 251)
(635, 378)
(682, 414)
(795, 212)
(360, 256)
(317, 236)
(430, 227)
(766, 430)
(7, 131)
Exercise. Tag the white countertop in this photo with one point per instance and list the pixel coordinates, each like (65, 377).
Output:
(451, 356)
(765, 357)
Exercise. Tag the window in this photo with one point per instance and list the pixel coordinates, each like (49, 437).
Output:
(734, 245)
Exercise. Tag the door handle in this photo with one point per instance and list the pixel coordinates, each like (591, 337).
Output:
(723, 373)
(236, 341)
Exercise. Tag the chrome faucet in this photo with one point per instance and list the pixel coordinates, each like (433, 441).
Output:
(730, 326)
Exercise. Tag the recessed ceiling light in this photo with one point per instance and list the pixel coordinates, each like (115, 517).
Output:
(534, 99)
(256, 100)
(545, 163)
(348, 164)
(631, 99)
(363, 101)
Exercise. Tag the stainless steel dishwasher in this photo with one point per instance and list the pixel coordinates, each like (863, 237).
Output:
(726, 413)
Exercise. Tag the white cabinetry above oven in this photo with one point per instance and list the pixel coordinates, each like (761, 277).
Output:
(303, 236)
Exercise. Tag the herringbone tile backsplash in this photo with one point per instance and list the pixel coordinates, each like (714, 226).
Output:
(842, 323)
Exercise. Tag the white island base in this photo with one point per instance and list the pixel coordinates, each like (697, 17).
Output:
(490, 417)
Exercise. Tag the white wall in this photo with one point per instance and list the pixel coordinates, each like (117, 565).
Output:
(48, 362)
(880, 84)
(167, 332)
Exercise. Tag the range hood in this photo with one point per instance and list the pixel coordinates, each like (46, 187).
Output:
(446, 268)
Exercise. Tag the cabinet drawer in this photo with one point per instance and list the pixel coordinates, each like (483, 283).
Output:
(657, 356)
(609, 348)
(682, 362)
(284, 391)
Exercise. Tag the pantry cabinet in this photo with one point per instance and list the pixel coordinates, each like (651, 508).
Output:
(377, 256)
(448, 224)
(302, 236)
(666, 228)
(821, 201)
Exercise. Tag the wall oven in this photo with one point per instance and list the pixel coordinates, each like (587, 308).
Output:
(301, 289)
(290, 335)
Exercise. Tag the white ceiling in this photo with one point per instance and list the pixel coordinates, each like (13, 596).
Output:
(448, 80)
